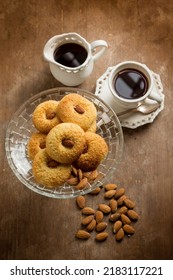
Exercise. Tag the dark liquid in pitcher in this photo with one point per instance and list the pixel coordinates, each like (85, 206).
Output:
(70, 55)
(130, 84)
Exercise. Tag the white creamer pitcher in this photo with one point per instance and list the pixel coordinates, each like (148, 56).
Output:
(71, 58)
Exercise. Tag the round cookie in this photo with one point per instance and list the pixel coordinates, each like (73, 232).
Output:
(65, 142)
(96, 150)
(36, 142)
(44, 116)
(48, 172)
(77, 109)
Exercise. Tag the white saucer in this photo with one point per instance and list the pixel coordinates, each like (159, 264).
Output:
(130, 120)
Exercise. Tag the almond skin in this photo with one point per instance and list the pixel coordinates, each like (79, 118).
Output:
(129, 229)
(123, 210)
(82, 234)
(105, 208)
(87, 220)
(109, 194)
(121, 199)
(98, 216)
(116, 227)
(82, 184)
(101, 226)
(88, 211)
(79, 109)
(119, 235)
(67, 143)
(125, 219)
(119, 192)
(109, 187)
(129, 203)
(101, 236)
(96, 191)
(132, 215)
(114, 217)
(80, 200)
(73, 181)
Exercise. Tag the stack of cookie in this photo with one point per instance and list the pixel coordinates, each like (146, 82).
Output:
(66, 138)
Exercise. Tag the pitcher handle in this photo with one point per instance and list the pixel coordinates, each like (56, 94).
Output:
(98, 44)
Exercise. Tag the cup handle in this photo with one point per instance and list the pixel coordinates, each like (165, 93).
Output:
(98, 44)
(155, 96)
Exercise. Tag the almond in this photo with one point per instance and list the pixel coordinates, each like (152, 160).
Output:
(119, 235)
(132, 215)
(116, 227)
(87, 220)
(114, 217)
(129, 229)
(109, 187)
(109, 194)
(105, 208)
(101, 226)
(129, 203)
(80, 200)
(80, 175)
(125, 219)
(74, 171)
(68, 143)
(82, 234)
(88, 211)
(101, 236)
(99, 216)
(96, 191)
(50, 115)
(123, 210)
(79, 109)
(82, 184)
(119, 192)
(91, 225)
(73, 181)
(113, 205)
(121, 199)
(94, 174)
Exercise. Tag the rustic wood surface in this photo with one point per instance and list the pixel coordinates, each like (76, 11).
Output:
(36, 227)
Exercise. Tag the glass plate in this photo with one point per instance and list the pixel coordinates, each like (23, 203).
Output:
(21, 127)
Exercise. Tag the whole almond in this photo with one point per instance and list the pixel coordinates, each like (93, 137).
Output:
(121, 199)
(91, 225)
(80, 175)
(68, 143)
(101, 236)
(96, 191)
(94, 174)
(113, 205)
(109, 187)
(74, 171)
(114, 217)
(125, 219)
(82, 234)
(104, 208)
(80, 200)
(79, 109)
(116, 227)
(73, 181)
(129, 229)
(119, 192)
(98, 216)
(109, 194)
(82, 184)
(123, 210)
(87, 220)
(119, 235)
(129, 203)
(101, 226)
(132, 215)
(88, 211)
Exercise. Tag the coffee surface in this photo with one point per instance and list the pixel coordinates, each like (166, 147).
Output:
(130, 84)
(70, 55)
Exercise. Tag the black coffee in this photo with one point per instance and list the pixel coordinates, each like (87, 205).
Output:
(130, 84)
(70, 55)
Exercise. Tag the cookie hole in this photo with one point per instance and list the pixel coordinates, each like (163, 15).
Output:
(52, 163)
(50, 115)
(42, 145)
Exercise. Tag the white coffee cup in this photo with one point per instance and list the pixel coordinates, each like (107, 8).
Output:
(73, 76)
(150, 93)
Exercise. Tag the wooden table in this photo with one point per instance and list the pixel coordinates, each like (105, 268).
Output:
(37, 227)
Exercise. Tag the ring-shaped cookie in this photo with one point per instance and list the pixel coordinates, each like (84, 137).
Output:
(36, 142)
(77, 109)
(65, 142)
(96, 151)
(48, 172)
(45, 117)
